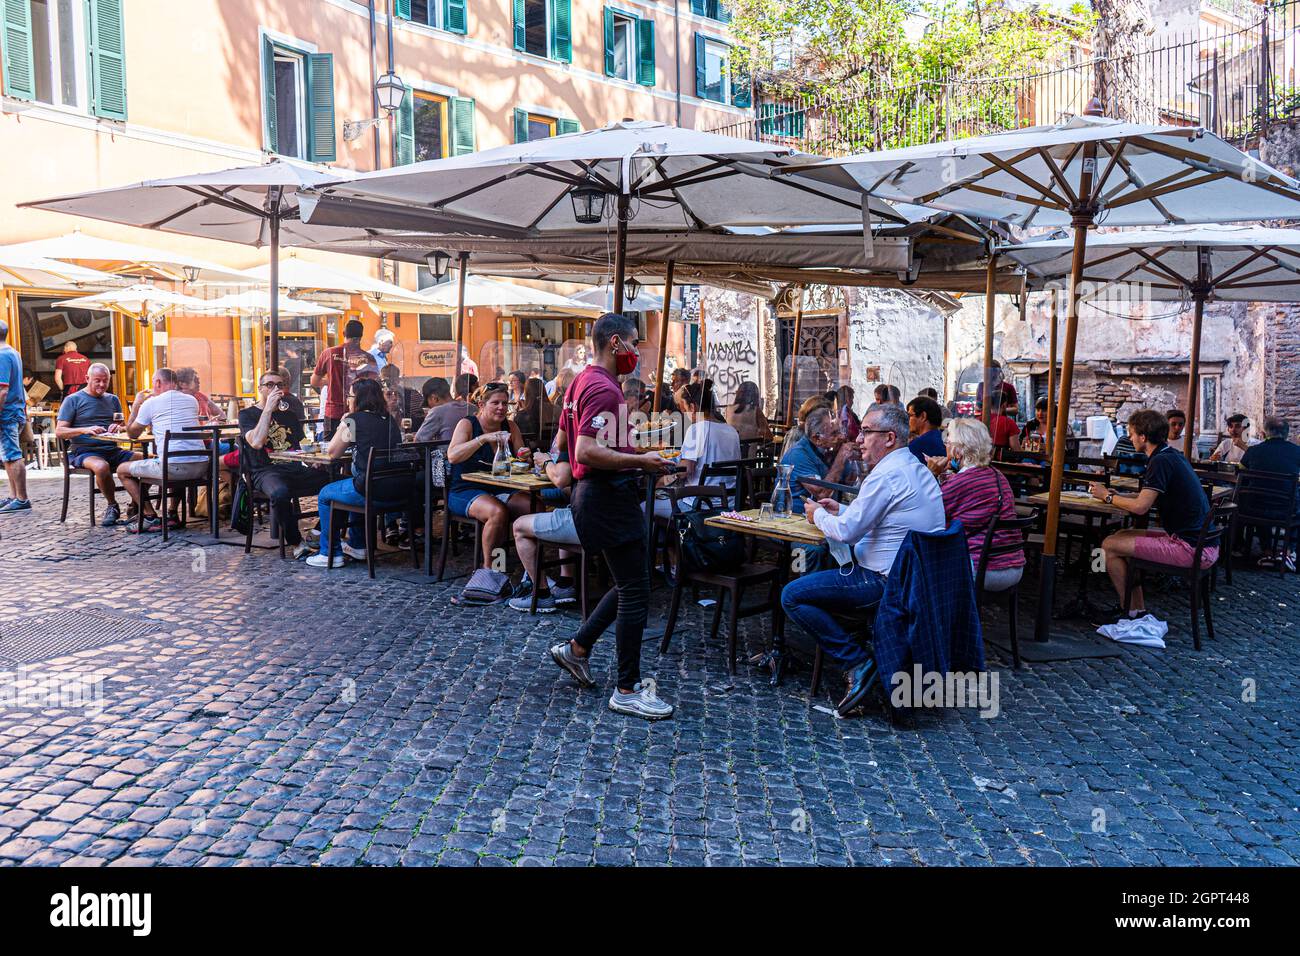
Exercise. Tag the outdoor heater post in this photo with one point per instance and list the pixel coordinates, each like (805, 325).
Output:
(990, 302)
(274, 198)
(794, 360)
(1199, 293)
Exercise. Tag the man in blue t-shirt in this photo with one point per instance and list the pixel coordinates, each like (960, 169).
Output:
(1278, 456)
(924, 417)
(84, 415)
(13, 416)
(820, 453)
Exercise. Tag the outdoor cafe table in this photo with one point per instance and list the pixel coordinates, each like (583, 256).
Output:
(1082, 503)
(527, 482)
(787, 532)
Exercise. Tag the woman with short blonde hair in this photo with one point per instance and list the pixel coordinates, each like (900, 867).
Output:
(969, 440)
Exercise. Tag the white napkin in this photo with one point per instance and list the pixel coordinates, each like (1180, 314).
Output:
(1146, 631)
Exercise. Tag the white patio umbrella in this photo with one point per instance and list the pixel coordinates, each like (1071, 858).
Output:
(254, 205)
(126, 258)
(1090, 170)
(303, 276)
(492, 294)
(18, 268)
(140, 302)
(253, 302)
(649, 298)
(1178, 263)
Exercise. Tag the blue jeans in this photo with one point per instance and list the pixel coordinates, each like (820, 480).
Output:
(810, 600)
(341, 491)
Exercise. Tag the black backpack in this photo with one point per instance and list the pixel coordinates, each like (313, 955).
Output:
(701, 548)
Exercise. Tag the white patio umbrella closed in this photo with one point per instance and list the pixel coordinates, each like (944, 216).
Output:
(18, 268)
(1175, 263)
(1087, 171)
(137, 301)
(127, 258)
(255, 303)
(303, 276)
(491, 294)
(254, 205)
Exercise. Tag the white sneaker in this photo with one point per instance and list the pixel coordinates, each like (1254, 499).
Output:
(351, 552)
(642, 703)
(323, 561)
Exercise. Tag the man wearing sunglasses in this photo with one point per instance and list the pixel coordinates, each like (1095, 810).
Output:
(266, 428)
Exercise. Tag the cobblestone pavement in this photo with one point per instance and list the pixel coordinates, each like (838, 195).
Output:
(256, 711)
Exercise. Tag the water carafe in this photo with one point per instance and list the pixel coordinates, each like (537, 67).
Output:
(781, 492)
(501, 460)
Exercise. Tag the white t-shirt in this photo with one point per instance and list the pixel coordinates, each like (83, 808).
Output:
(172, 411)
(1227, 451)
(707, 442)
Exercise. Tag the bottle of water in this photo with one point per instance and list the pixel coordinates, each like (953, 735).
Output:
(781, 492)
(501, 461)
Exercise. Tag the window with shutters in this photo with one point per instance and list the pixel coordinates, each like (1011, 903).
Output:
(447, 15)
(298, 102)
(530, 126)
(430, 126)
(544, 28)
(428, 12)
(713, 9)
(712, 70)
(629, 47)
(66, 53)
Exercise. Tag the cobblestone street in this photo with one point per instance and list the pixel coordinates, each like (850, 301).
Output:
(257, 711)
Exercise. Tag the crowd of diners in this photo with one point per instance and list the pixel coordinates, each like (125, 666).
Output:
(913, 467)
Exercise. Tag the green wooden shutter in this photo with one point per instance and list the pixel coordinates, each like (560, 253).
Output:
(462, 125)
(455, 19)
(320, 107)
(107, 48)
(742, 89)
(521, 29)
(272, 142)
(700, 8)
(402, 9)
(610, 65)
(720, 13)
(406, 130)
(767, 119)
(561, 31)
(521, 125)
(645, 52)
(16, 50)
(565, 126)
(701, 79)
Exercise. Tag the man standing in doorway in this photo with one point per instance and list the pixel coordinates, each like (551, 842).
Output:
(13, 416)
(338, 367)
(607, 514)
(71, 369)
(384, 340)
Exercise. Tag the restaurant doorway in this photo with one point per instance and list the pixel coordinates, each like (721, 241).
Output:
(42, 329)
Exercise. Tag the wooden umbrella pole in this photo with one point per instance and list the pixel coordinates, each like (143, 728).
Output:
(620, 252)
(1049, 439)
(1082, 220)
(275, 281)
(794, 359)
(663, 337)
(989, 302)
(460, 318)
(1199, 293)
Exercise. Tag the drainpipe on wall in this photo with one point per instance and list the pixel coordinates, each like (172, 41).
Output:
(374, 76)
(677, 58)
(391, 69)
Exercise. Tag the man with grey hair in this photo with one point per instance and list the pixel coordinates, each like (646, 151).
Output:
(384, 342)
(898, 495)
(1279, 456)
(13, 416)
(84, 416)
(821, 453)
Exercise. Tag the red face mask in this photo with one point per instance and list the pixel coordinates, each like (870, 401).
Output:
(625, 362)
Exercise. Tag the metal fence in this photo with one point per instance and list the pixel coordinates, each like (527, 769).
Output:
(1232, 77)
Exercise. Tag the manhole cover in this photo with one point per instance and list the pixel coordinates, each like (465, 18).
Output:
(43, 636)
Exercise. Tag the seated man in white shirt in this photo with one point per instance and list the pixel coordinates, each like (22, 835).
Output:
(897, 496)
(165, 409)
(1233, 448)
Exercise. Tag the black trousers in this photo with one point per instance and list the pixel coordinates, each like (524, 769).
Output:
(609, 520)
(284, 485)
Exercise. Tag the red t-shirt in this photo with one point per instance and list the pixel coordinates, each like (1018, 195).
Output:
(340, 365)
(75, 368)
(594, 406)
(1001, 429)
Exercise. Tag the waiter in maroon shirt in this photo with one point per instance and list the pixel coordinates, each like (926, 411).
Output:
(71, 369)
(607, 514)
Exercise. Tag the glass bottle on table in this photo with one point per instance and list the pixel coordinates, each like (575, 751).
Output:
(781, 492)
(501, 460)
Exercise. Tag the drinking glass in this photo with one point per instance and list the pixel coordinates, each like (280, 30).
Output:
(765, 512)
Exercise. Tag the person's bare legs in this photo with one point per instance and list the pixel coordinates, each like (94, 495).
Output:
(132, 487)
(496, 524)
(17, 472)
(1118, 548)
(526, 545)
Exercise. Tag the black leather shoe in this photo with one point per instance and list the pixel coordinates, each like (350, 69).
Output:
(860, 680)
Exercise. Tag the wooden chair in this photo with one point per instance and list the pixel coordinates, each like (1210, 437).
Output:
(731, 584)
(578, 556)
(69, 471)
(400, 461)
(1266, 502)
(179, 488)
(988, 551)
(454, 522)
(1212, 534)
(259, 504)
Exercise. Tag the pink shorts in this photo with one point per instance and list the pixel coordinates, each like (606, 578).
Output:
(1171, 549)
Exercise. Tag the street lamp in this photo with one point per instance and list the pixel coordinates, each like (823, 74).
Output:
(588, 203)
(438, 262)
(632, 288)
(389, 92)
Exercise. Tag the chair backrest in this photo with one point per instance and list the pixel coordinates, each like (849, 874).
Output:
(758, 485)
(439, 466)
(1265, 494)
(1213, 528)
(737, 470)
(208, 453)
(702, 493)
(990, 549)
(400, 461)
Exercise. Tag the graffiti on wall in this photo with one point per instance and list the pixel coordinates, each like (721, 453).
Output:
(731, 359)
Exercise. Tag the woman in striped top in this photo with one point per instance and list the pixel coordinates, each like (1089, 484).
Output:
(975, 493)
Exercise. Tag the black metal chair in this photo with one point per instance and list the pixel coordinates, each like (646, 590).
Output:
(988, 551)
(1266, 505)
(1212, 534)
(452, 523)
(68, 472)
(731, 584)
(385, 464)
(260, 504)
(179, 488)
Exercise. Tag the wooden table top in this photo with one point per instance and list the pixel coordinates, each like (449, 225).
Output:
(1125, 482)
(304, 457)
(43, 412)
(792, 528)
(523, 482)
(122, 438)
(1078, 501)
